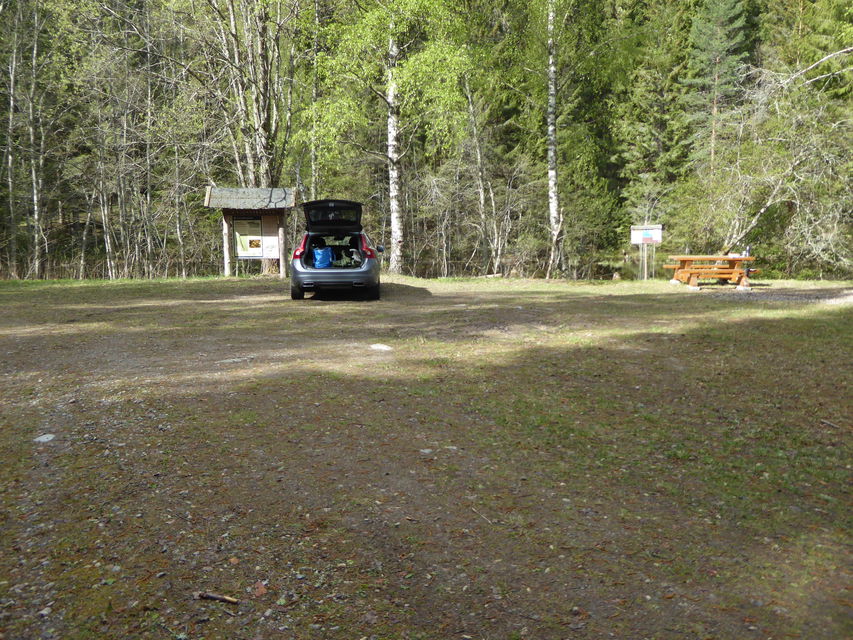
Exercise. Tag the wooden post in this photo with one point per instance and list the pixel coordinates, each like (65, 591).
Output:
(282, 270)
(227, 235)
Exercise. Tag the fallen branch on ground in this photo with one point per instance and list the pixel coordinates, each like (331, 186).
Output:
(214, 596)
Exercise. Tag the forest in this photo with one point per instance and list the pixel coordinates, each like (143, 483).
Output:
(509, 137)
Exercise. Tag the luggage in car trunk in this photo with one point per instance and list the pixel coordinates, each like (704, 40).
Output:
(339, 251)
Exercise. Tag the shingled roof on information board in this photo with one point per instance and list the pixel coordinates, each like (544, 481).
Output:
(238, 198)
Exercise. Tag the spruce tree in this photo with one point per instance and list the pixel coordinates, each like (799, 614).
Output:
(647, 129)
(796, 34)
(719, 41)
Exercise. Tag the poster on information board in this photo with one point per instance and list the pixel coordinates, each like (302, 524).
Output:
(247, 232)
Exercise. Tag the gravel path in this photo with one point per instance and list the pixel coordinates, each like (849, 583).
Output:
(769, 293)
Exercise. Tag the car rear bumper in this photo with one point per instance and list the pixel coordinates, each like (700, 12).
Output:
(313, 279)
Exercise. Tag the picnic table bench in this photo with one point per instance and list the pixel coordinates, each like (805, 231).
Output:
(690, 269)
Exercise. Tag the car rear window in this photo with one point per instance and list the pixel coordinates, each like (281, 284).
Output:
(337, 214)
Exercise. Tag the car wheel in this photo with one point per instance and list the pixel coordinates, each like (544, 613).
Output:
(297, 293)
(373, 293)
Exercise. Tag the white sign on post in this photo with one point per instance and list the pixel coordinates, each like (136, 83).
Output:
(645, 235)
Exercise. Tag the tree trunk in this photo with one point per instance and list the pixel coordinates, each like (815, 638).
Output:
(81, 271)
(10, 159)
(179, 234)
(396, 259)
(481, 179)
(36, 158)
(714, 112)
(104, 200)
(147, 222)
(555, 217)
(227, 250)
(315, 89)
(179, 231)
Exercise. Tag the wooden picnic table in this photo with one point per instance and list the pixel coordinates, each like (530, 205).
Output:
(690, 269)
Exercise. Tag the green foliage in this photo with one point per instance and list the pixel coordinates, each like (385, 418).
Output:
(427, 74)
(718, 41)
(647, 126)
(727, 120)
(718, 52)
(429, 83)
(799, 33)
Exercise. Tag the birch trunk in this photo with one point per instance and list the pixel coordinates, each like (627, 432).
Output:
(555, 218)
(36, 161)
(315, 90)
(179, 234)
(147, 221)
(396, 259)
(81, 271)
(481, 178)
(10, 159)
(104, 200)
(179, 231)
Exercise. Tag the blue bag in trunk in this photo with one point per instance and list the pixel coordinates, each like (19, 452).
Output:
(322, 258)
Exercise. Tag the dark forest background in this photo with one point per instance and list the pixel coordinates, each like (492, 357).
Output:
(484, 136)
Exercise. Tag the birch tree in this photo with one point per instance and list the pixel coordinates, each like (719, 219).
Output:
(12, 54)
(555, 214)
(405, 57)
(564, 76)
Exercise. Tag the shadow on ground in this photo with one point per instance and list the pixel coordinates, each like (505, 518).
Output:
(389, 291)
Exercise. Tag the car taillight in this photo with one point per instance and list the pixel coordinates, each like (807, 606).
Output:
(301, 248)
(367, 251)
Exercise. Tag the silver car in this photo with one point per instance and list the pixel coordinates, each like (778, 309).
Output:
(335, 253)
